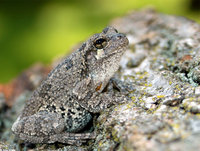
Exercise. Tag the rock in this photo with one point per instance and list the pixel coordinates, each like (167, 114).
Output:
(4, 146)
(162, 63)
(162, 114)
(135, 60)
(2, 102)
(173, 100)
(197, 91)
(192, 105)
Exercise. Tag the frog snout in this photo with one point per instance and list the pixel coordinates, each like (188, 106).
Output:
(121, 38)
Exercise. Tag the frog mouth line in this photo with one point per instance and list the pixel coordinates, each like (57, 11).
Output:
(112, 54)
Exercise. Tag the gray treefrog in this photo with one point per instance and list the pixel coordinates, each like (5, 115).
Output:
(78, 87)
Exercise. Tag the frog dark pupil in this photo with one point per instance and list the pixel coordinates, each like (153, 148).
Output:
(100, 43)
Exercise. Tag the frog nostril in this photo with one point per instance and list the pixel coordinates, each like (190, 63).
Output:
(120, 36)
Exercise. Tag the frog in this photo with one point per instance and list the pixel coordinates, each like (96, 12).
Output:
(80, 86)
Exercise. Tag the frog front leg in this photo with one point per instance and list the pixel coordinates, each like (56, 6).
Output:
(98, 103)
(115, 92)
(46, 127)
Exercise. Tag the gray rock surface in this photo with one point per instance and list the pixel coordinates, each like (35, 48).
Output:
(163, 65)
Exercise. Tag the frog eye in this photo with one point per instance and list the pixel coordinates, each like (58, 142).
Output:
(100, 43)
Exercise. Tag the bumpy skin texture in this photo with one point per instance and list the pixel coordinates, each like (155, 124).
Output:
(62, 105)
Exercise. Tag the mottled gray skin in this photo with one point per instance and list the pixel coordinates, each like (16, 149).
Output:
(63, 104)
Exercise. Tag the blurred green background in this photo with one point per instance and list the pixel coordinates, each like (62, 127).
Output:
(38, 31)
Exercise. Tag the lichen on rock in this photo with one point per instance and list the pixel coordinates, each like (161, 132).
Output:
(165, 102)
